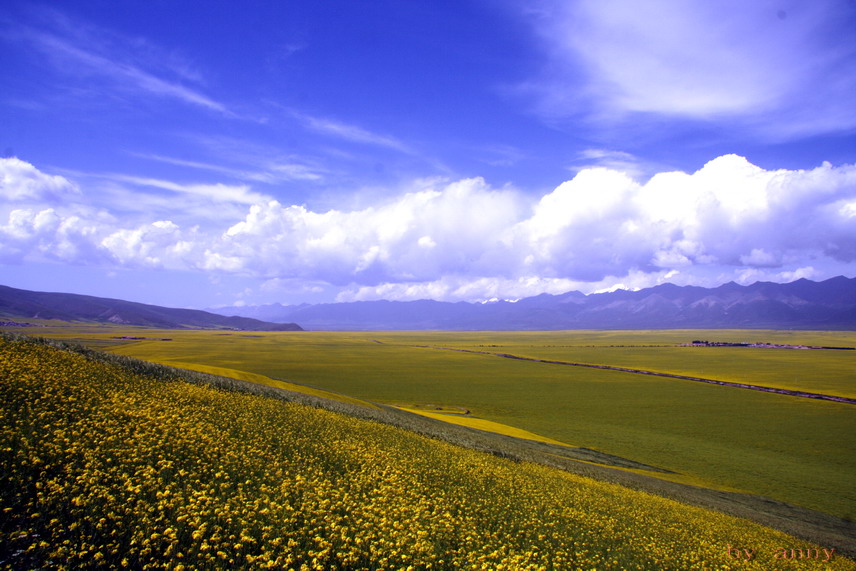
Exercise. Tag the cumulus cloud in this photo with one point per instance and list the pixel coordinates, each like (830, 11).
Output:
(159, 244)
(47, 234)
(598, 228)
(466, 240)
(417, 236)
(21, 181)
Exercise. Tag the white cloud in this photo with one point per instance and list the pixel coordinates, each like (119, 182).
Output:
(784, 68)
(138, 199)
(426, 242)
(461, 288)
(215, 261)
(290, 286)
(806, 272)
(419, 234)
(235, 194)
(154, 245)
(271, 173)
(679, 58)
(585, 228)
(615, 160)
(21, 181)
(352, 133)
(759, 257)
(80, 50)
(47, 234)
(45, 216)
(466, 240)
(729, 214)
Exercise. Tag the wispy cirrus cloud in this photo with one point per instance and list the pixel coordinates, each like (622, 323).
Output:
(218, 192)
(352, 133)
(127, 65)
(271, 173)
(500, 155)
(138, 199)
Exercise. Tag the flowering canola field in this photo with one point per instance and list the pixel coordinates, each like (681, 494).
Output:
(101, 466)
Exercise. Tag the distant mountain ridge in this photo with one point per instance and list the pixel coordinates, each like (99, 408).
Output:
(25, 304)
(802, 304)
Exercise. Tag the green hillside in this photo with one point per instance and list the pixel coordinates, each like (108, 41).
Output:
(20, 304)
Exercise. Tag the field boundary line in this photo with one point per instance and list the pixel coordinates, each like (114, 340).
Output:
(762, 388)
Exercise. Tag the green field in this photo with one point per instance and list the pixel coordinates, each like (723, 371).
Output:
(825, 371)
(108, 462)
(796, 450)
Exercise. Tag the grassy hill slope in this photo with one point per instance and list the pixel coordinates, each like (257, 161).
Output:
(126, 464)
(19, 303)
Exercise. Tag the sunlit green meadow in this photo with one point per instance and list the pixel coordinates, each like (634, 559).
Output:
(117, 465)
(792, 449)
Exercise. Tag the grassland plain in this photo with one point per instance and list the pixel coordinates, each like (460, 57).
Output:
(823, 371)
(790, 449)
(787, 448)
(126, 465)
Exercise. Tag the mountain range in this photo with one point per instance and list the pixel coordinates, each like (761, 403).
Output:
(802, 304)
(24, 304)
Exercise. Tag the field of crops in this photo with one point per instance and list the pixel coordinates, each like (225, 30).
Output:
(825, 371)
(102, 465)
(792, 449)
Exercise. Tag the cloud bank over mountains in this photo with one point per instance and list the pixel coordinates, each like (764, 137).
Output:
(452, 240)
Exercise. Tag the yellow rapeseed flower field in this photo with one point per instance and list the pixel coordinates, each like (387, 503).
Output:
(104, 467)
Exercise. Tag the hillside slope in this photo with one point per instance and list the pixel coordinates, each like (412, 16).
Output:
(25, 304)
(118, 468)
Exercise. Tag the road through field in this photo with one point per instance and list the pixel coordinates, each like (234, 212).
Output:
(657, 374)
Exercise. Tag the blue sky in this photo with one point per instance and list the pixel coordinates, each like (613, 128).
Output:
(200, 156)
